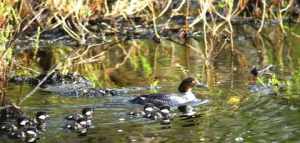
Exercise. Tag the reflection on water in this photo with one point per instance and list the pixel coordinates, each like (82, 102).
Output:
(233, 115)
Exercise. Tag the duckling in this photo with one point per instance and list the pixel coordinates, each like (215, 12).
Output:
(18, 131)
(151, 112)
(81, 126)
(23, 122)
(41, 116)
(187, 110)
(31, 135)
(184, 96)
(17, 134)
(18, 126)
(27, 129)
(136, 114)
(166, 115)
(40, 120)
(76, 121)
(8, 128)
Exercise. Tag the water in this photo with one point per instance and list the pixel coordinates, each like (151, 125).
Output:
(232, 115)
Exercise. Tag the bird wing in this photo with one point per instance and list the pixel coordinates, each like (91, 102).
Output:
(155, 99)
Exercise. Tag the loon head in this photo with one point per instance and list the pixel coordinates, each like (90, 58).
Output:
(254, 71)
(187, 84)
(268, 70)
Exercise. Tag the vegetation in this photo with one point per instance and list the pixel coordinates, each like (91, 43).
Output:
(98, 25)
(139, 45)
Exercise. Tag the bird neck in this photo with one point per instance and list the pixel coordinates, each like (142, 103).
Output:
(188, 91)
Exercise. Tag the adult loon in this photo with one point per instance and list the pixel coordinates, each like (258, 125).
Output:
(185, 96)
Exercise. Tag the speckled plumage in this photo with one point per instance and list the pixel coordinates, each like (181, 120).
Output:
(184, 96)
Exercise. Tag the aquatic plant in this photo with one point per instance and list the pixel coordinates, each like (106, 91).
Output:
(8, 19)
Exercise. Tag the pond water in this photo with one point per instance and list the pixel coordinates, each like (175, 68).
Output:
(232, 115)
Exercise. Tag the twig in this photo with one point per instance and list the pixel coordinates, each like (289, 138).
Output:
(263, 17)
(39, 84)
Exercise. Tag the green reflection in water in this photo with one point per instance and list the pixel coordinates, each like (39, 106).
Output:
(233, 115)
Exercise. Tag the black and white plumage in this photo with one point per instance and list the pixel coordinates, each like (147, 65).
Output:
(23, 122)
(40, 121)
(264, 71)
(256, 85)
(80, 122)
(31, 135)
(184, 96)
(25, 128)
(187, 110)
(7, 128)
(151, 112)
(166, 115)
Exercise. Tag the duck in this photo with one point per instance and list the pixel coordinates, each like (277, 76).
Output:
(187, 110)
(7, 128)
(18, 130)
(80, 122)
(185, 95)
(31, 135)
(255, 86)
(264, 71)
(16, 125)
(40, 120)
(166, 115)
(151, 112)
(28, 129)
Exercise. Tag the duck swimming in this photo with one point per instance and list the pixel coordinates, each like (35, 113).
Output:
(80, 122)
(25, 128)
(185, 96)
(256, 85)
